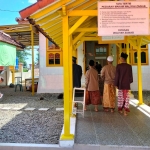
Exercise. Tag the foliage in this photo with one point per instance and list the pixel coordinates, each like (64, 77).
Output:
(23, 56)
(25, 69)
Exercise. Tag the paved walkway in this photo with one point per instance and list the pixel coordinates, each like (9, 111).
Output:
(106, 128)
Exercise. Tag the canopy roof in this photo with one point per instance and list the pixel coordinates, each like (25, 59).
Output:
(8, 39)
(21, 33)
(46, 16)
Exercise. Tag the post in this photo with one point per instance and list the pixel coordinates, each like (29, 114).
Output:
(140, 94)
(32, 45)
(71, 73)
(127, 51)
(66, 134)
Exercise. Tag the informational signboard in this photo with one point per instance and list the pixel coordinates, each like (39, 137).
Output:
(123, 18)
(112, 39)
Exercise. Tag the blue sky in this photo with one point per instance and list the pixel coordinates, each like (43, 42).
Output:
(9, 10)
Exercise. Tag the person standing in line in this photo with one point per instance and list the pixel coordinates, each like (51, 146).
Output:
(123, 79)
(98, 67)
(77, 73)
(92, 86)
(109, 93)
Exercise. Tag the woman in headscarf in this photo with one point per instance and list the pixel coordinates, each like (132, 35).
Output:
(92, 86)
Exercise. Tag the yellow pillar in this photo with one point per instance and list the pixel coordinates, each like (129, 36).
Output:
(66, 135)
(32, 45)
(13, 75)
(140, 94)
(127, 51)
(120, 49)
(71, 73)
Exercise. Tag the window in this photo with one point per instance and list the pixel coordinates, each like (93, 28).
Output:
(144, 57)
(101, 50)
(133, 58)
(53, 55)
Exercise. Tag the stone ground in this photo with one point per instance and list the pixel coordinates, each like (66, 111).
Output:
(18, 125)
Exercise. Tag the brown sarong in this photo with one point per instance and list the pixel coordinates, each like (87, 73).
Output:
(92, 97)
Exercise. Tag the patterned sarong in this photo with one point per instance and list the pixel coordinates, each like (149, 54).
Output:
(92, 97)
(123, 100)
(109, 96)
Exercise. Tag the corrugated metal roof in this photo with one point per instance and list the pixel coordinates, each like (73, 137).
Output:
(8, 39)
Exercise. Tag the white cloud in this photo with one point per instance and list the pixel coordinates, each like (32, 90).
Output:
(32, 1)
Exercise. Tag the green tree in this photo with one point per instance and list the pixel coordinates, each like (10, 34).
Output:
(23, 56)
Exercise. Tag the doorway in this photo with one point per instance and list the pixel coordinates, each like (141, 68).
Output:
(96, 52)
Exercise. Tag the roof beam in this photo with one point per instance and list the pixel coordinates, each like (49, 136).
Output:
(83, 13)
(89, 38)
(78, 37)
(86, 30)
(77, 24)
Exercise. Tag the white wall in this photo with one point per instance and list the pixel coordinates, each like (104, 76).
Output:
(145, 75)
(50, 78)
(81, 62)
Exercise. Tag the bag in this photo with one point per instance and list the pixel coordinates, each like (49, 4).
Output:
(11, 85)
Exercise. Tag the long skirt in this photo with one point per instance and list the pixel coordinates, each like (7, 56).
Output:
(123, 100)
(92, 97)
(109, 96)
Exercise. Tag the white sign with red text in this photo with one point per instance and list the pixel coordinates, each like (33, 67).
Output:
(123, 18)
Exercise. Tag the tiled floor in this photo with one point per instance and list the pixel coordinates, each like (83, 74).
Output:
(106, 128)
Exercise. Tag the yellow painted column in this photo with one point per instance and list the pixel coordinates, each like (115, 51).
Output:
(120, 49)
(127, 51)
(66, 135)
(140, 94)
(71, 73)
(13, 75)
(32, 45)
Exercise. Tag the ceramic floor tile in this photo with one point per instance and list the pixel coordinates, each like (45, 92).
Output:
(113, 128)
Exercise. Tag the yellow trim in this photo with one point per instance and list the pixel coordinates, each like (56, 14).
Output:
(86, 30)
(83, 13)
(53, 51)
(49, 9)
(47, 59)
